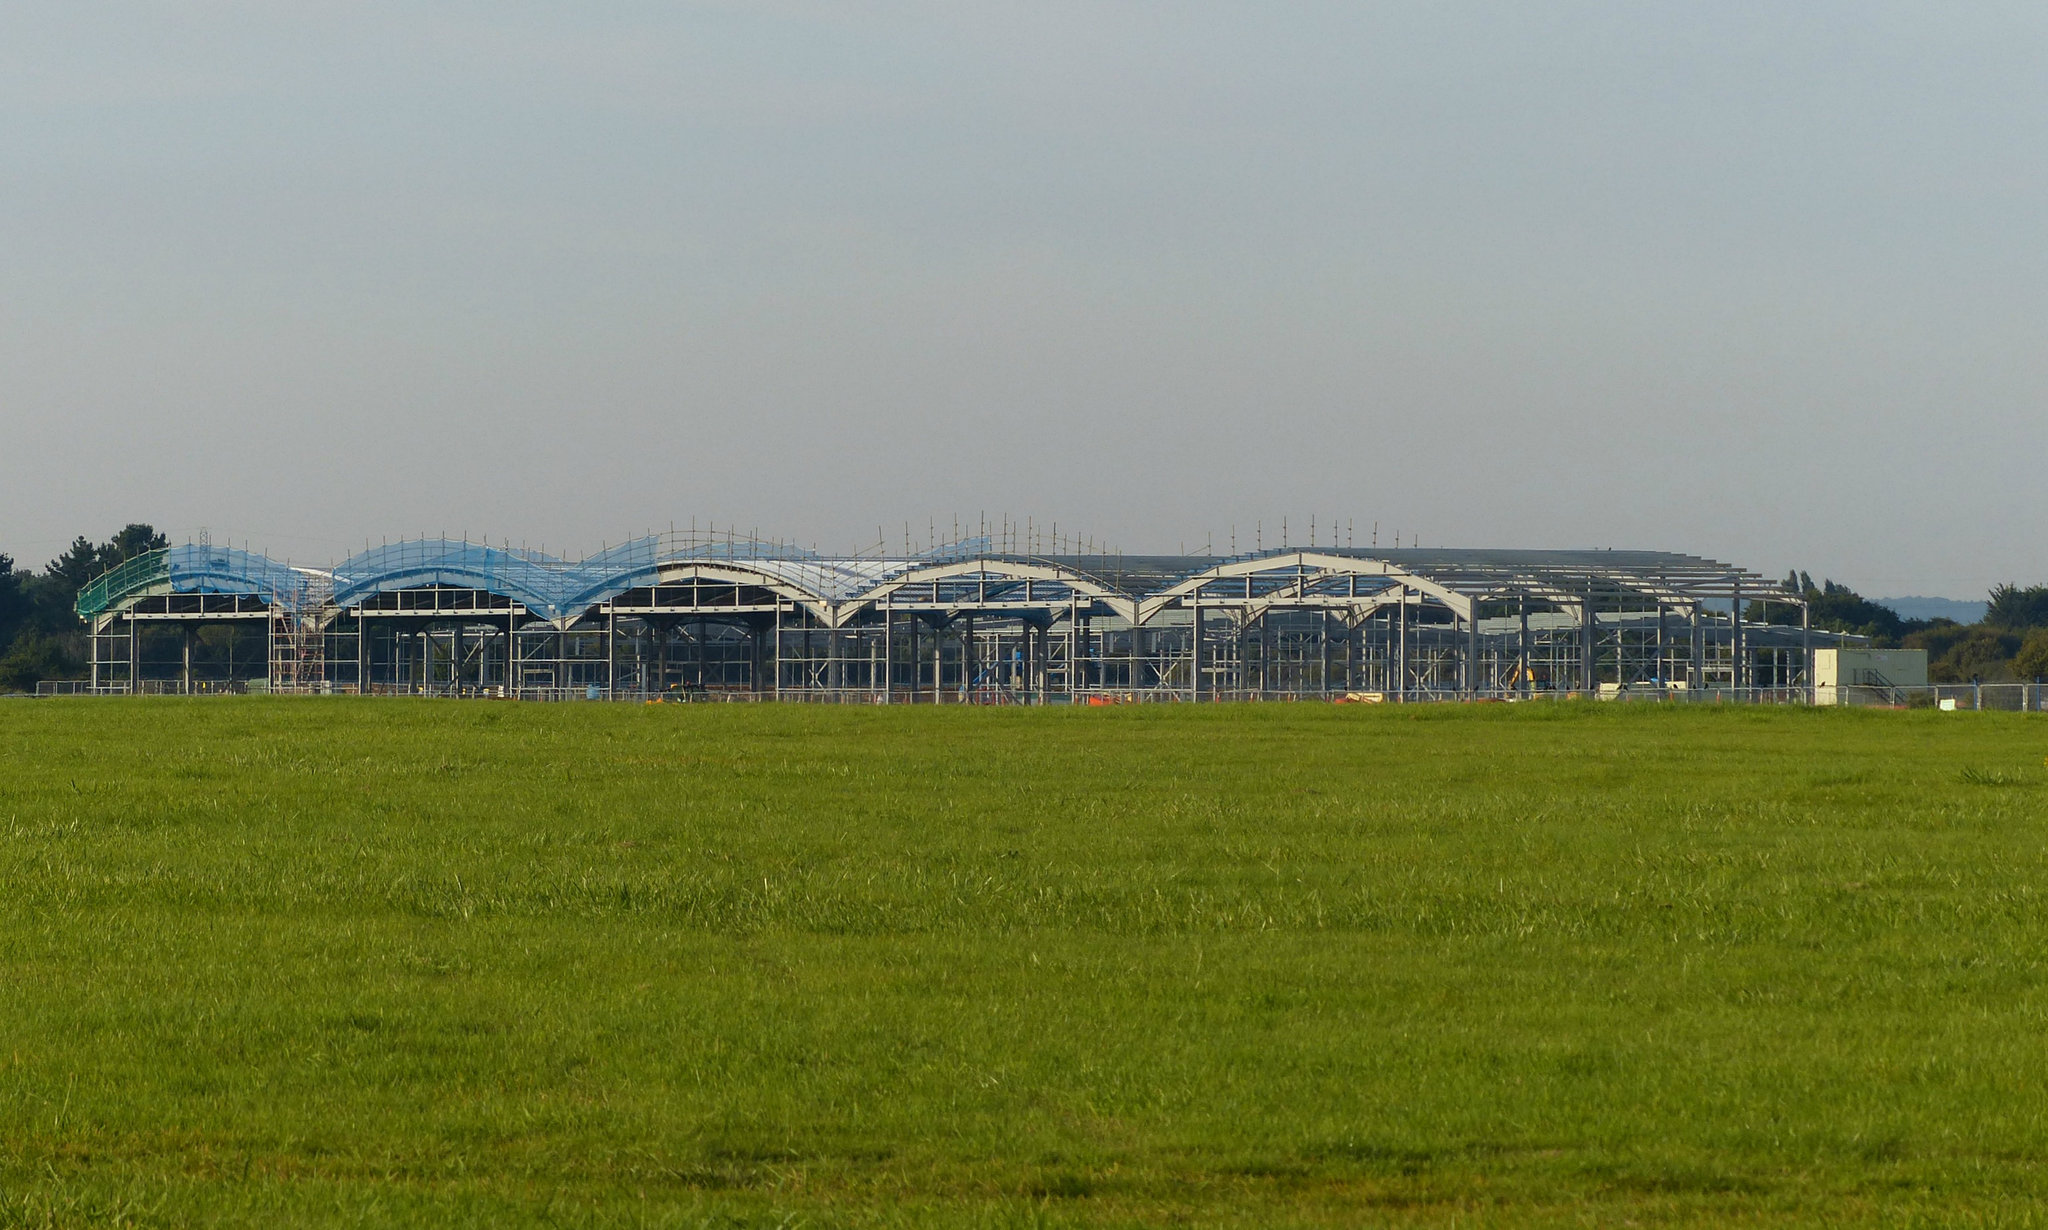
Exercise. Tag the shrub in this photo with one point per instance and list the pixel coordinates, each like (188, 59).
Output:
(2031, 662)
(33, 658)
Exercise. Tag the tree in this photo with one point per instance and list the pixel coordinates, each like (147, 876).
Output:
(34, 657)
(79, 564)
(14, 602)
(55, 592)
(2013, 607)
(41, 635)
(1958, 653)
(1836, 608)
(2031, 662)
(136, 538)
(85, 559)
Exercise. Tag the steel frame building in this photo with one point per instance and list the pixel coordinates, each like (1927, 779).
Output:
(689, 616)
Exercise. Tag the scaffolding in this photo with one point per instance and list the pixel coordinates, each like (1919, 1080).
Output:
(301, 610)
(689, 616)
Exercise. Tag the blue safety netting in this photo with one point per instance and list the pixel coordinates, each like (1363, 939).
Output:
(200, 569)
(224, 570)
(545, 585)
(556, 589)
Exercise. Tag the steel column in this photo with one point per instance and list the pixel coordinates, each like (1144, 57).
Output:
(1736, 673)
(1527, 685)
(1806, 648)
(888, 679)
(1589, 647)
(1401, 652)
(1472, 652)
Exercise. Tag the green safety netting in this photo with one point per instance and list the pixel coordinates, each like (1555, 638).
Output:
(195, 569)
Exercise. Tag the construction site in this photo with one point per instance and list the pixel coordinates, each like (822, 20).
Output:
(1007, 617)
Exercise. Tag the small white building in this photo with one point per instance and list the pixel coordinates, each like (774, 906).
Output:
(1867, 676)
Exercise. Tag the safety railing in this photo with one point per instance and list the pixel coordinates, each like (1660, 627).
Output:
(1945, 697)
(1961, 697)
(151, 568)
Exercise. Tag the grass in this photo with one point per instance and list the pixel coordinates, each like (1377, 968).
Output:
(272, 962)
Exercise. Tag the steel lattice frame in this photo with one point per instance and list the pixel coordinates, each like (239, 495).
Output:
(691, 615)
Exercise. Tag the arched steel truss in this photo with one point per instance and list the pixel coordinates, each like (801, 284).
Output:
(668, 614)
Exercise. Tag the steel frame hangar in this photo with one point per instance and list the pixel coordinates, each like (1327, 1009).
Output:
(688, 616)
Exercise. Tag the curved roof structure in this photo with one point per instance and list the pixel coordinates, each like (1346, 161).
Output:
(199, 569)
(733, 613)
(558, 589)
(543, 584)
(839, 589)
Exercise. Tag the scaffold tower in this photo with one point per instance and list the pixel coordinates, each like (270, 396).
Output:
(300, 611)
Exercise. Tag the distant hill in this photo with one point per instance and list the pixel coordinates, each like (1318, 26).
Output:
(1963, 612)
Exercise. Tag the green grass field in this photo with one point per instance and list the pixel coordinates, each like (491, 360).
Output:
(395, 963)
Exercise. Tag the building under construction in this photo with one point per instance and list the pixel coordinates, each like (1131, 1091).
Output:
(690, 616)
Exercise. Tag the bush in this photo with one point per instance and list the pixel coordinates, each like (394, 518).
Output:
(2031, 662)
(33, 658)
(1958, 653)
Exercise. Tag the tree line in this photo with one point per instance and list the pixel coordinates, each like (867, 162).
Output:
(2009, 644)
(42, 637)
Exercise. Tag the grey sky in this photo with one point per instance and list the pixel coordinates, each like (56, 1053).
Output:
(1760, 281)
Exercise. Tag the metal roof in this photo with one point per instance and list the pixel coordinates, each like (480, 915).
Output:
(559, 589)
(198, 569)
